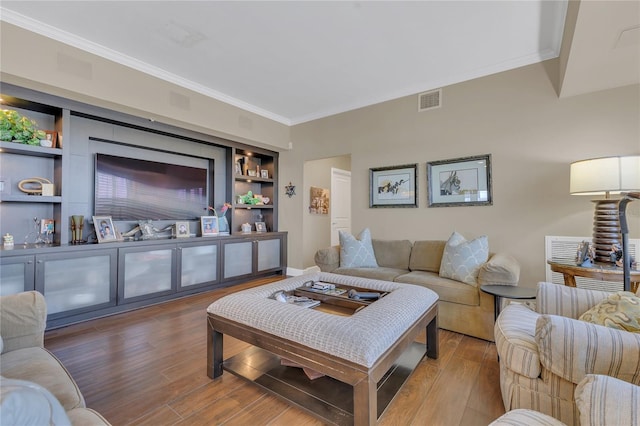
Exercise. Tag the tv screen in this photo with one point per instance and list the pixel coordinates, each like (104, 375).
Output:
(131, 189)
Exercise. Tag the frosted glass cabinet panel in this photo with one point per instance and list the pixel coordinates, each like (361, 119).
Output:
(76, 281)
(16, 274)
(198, 264)
(238, 258)
(145, 271)
(269, 254)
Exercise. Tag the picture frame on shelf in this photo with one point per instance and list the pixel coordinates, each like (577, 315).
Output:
(182, 230)
(464, 181)
(264, 174)
(261, 227)
(209, 226)
(252, 173)
(238, 168)
(52, 136)
(47, 226)
(394, 186)
(105, 231)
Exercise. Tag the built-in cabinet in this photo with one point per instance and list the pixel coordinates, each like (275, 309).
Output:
(17, 274)
(251, 255)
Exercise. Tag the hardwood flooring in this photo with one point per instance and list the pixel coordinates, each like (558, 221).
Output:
(148, 367)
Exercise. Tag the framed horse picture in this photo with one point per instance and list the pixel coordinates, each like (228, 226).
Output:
(460, 182)
(394, 186)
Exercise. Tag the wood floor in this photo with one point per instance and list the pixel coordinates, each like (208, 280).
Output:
(148, 367)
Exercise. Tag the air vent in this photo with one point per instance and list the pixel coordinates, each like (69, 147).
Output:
(430, 100)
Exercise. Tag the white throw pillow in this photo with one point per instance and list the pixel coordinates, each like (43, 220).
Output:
(462, 259)
(357, 252)
(27, 403)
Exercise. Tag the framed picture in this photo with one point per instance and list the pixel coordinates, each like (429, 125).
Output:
(182, 230)
(105, 230)
(393, 186)
(261, 227)
(460, 182)
(264, 174)
(209, 226)
(238, 168)
(47, 226)
(53, 137)
(318, 200)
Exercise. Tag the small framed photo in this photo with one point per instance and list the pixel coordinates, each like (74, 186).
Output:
(393, 186)
(209, 226)
(261, 227)
(252, 173)
(238, 168)
(462, 181)
(264, 174)
(105, 230)
(53, 137)
(47, 226)
(182, 230)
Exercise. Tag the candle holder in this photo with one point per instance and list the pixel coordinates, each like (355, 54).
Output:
(77, 223)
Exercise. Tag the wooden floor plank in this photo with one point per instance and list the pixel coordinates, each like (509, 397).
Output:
(148, 367)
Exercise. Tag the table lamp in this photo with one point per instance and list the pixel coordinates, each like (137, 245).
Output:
(605, 176)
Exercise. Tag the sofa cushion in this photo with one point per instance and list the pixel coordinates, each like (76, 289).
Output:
(384, 274)
(607, 401)
(357, 252)
(501, 269)
(462, 259)
(393, 253)
(621, 310)
(448, 290)
(514, 332)
(86, 416)
(426, 256)
(40, 366)
(27, 403)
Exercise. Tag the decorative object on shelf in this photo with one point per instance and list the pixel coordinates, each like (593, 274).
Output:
(53, 137)
(246, 228)
(238, 168)
(223, 223)
(264, 174)
(105, 230)
(77, 223)
(394, 186)
(181, 230)
(585, 254)
(147, 230)
(616, 254)
(248, 198)
(36, 186)
(318, 200)
(605, 176)
(7, 240)
(290, 190)
(47, 228)
(209, 226)
(261, 227)
(252, 173)
(462, 181)
(35, 232)
(14, 127)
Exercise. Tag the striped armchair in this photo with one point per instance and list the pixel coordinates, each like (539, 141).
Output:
(545, 354)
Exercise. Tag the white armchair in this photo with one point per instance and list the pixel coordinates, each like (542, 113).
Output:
(544, 354)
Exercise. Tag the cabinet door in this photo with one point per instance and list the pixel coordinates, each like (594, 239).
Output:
(16, 274)
(146, 271)
(269, 254)
(237, 258)
(197, 265)
(73, 282)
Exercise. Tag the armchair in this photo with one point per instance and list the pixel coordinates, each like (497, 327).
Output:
(545, 353)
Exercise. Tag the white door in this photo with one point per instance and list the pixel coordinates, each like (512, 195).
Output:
(340, 203)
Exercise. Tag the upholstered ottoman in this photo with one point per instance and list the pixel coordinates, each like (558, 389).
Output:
(358, 349)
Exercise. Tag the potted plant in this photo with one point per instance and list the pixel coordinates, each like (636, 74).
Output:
(15, 127)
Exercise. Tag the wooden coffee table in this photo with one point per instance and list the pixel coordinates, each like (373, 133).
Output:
(350, 392)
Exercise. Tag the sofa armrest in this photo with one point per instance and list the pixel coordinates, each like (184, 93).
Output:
(571, 302)
(328, 259)
(604, 400)
(23, 318)
(500, 269)
(572, 349)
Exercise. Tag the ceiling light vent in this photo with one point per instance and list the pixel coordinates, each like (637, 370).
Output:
(429, 100)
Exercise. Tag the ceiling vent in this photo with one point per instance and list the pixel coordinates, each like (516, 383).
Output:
(430, 100)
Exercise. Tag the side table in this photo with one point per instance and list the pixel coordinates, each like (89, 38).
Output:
(599, 271)
(508, 291)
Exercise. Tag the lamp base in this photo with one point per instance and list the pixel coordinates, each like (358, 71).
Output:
(606, 228)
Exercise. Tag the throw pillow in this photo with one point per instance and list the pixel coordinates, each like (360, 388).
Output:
(621, 310)
(357, 252)
(462, 259)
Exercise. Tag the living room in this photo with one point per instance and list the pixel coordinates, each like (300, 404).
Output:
(518, 116)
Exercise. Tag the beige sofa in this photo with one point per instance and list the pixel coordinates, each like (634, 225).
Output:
(462, 308)
(35, 388)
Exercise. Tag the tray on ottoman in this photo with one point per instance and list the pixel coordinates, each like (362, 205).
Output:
(365, 351)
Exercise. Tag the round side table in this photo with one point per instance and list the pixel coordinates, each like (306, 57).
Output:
(508, 291)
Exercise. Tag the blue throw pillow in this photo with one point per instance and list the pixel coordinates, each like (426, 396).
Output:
(357, 252)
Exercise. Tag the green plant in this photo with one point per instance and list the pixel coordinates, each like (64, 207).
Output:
(15, 127)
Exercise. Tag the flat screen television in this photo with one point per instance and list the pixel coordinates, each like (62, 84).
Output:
(132, 189)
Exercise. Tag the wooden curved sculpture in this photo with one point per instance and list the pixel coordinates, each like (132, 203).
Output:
(32, 185)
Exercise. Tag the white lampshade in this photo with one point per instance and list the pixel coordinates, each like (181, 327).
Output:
(612, 175)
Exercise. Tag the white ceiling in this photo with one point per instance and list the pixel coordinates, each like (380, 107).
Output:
(298, 61)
